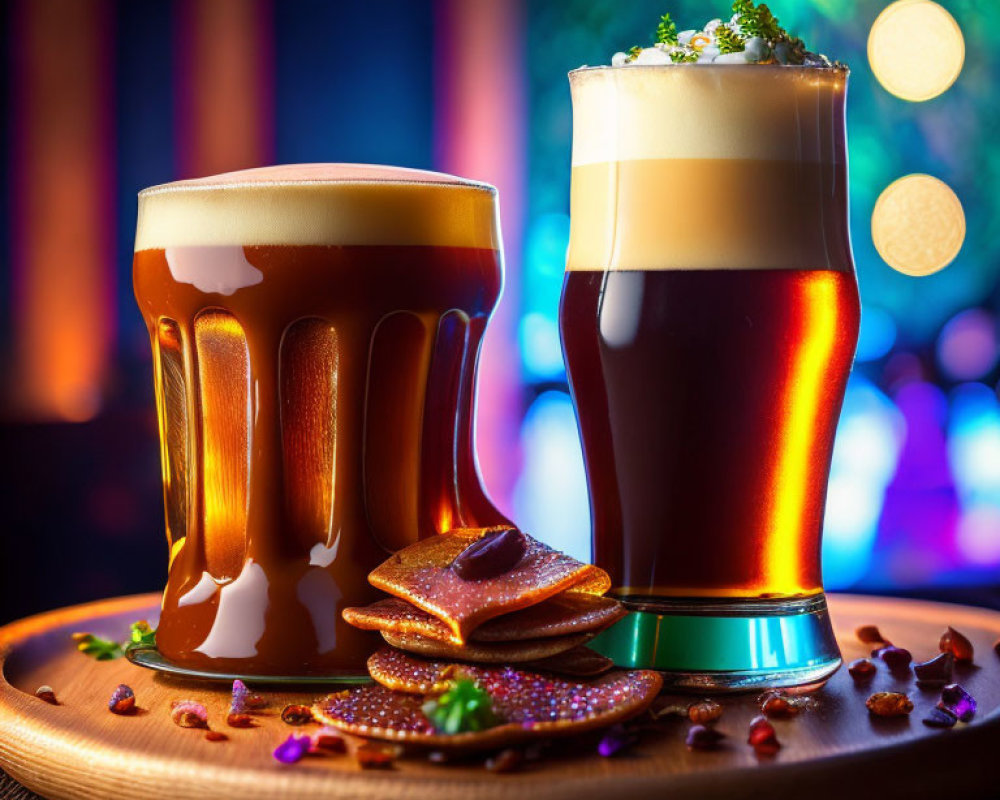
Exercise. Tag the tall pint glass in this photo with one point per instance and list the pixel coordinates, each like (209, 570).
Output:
(315, 331)
(709, 319)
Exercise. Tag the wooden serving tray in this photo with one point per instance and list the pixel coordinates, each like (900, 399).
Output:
(834, 749)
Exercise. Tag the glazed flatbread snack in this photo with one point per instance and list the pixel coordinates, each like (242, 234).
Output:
(422, 575)
(566, 613)
(528, 705)
(487, 652)
(406, 673)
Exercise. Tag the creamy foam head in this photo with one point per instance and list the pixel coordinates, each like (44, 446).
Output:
(319, 204)
(698, 111)
(708, 167)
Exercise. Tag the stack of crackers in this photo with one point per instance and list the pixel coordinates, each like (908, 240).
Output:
(547, 605)
(520, 627)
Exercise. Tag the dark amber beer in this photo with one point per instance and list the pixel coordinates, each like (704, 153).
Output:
(709, 319)
(315, 331)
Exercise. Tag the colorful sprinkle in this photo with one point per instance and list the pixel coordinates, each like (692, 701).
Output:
(189, 714)
(889, 704)
(958, 645)
(296, 714)
(959, 702)
(762, 737)
(292, 749)
(870, 634)
(46, 693)
(861, 670)
(700, 737)
(939, 718)
(617, 740)
(936, 672)
(122, 700)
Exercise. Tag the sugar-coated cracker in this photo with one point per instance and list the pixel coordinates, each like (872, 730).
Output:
(580, 662)
(487, 652)
(419, 574)
(531, 704)
(566, 613)
(412, 674)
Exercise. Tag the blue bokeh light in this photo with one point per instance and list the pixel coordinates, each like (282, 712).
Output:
(877, 335)
(550, 499)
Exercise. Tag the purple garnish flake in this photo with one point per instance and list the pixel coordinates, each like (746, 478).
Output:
(958, 701)
(292, 749)
(616, 740)
(939, 718)
(122, 701)
(238, 705)
(701, 737)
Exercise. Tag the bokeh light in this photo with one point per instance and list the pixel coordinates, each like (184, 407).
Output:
(550, 498)
(918, 225)
(865, 455)
(974, 453)
(541, 349)
(877, 335)
(967, 347)
(916, 49)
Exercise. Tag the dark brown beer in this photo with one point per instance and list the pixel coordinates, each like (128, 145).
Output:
(709, 319)
(316, 407)
(707, 402)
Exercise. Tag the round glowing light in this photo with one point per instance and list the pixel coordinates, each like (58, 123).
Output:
(918, 225)
(968, 348)
(977, 535)
(916, 49)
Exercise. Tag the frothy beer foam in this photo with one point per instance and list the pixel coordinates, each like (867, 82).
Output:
(319, 204)
(763, 112)
(708, 167)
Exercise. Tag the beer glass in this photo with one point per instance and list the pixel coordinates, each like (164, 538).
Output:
(315, 331)
(709, 319)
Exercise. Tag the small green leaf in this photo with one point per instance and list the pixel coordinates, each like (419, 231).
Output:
(98, 648)
(666, 31)
(757, 20)
(728, 41)
(683, 56)
(142, 635)
(461, 708)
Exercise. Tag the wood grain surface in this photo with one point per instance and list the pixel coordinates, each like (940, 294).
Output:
(833, 749)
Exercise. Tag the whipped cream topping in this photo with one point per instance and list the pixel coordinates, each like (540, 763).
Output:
(752, 35)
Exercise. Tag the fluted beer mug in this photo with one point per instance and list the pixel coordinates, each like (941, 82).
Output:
(315, 331)
(709, 319)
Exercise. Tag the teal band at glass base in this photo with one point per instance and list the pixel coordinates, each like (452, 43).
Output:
(706, 645)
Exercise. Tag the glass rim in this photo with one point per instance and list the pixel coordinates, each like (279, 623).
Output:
(185, 186)
(838, 69)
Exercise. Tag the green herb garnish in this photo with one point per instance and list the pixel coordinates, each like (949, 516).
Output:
(727, 40)
(666, 31)
(753, 31)
(758, 21)
(461, 708)
(683, 57)
(141, 634)
(96, 647)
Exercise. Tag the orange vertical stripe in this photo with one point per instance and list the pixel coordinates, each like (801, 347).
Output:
(480, 134)
(63, 208)
(799, 400)
(224, 90)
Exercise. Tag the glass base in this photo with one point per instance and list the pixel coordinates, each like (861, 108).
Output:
(707, 645)
(151, 658)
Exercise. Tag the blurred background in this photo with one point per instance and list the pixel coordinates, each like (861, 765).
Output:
(103, 98)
